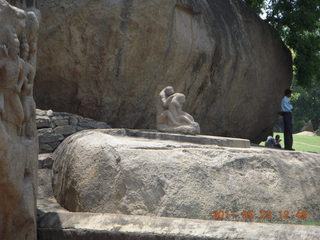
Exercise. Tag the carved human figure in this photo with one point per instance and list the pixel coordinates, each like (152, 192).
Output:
(26, 97)
(3, 133)
(171, 117)
(162, 106)
(11, 79)
(3, 54)
(23, 4)
(28, 55)
(18, 152)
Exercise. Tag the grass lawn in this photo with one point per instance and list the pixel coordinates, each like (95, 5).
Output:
(311, 223)
(302, 143)
(306, 223)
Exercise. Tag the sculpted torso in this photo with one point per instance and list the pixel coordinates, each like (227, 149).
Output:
(12, 77)
(10, 63)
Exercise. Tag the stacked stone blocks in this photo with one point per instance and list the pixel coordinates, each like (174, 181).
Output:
(54, 127)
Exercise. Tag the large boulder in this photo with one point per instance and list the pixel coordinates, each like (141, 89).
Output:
(18, 138)
(97, 172)
(108, 60)
(308, 127)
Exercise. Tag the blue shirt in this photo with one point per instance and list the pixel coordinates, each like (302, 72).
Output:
(270, 142)
(285, 104)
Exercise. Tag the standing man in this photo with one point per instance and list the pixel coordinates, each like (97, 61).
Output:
(286, 109)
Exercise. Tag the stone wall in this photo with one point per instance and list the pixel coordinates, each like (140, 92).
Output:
(54, 127)
(18, 137)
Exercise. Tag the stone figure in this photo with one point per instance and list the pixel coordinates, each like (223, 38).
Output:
(162, 106)
(3, 134)
(23, 3)
(26, 97)
(11, 77)
(18, 143)
(171, 117)
(28, 55)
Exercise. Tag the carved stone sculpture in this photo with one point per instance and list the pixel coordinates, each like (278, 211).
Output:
(18, 141)
(171, 117)
(12, 67)
(29, 57)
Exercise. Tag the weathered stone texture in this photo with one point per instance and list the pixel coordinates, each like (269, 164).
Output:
(110, 59)
(55, 223)
(54, 127)
(45, 161)
(18, 138)
(170, 116)
(84, 226)
(97, 172)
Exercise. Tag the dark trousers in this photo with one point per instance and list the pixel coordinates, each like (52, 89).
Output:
(287, 125)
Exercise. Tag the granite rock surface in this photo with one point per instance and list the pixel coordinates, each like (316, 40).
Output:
(97, 172)
(110, 59)
(54, 223)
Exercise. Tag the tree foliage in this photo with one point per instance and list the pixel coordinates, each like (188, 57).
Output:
(298, 23)
(306, 102)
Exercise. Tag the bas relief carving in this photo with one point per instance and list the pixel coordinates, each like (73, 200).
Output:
(18, 139)
(18, 41)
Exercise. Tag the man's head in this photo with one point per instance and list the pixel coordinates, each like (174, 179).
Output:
(169, 91)
(277, 137)
(288, 92)
(181, 98)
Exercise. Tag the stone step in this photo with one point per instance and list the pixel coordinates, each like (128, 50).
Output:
(84, 226)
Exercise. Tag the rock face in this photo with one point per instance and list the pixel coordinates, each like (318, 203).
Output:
(97, 172)
(54, 127)
(308, 127)
(110, 59)
(18, 138)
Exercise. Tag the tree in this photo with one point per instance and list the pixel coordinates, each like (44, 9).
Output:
(306, 102)
(298, 23)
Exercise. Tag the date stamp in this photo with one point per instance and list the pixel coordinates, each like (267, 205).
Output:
(248, 215)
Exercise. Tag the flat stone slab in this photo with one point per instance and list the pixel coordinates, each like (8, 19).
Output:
(197, 139)
(84, 226)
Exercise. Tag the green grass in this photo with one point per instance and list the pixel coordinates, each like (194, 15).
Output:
(311, 223)
(305, 223)
(302, 143)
